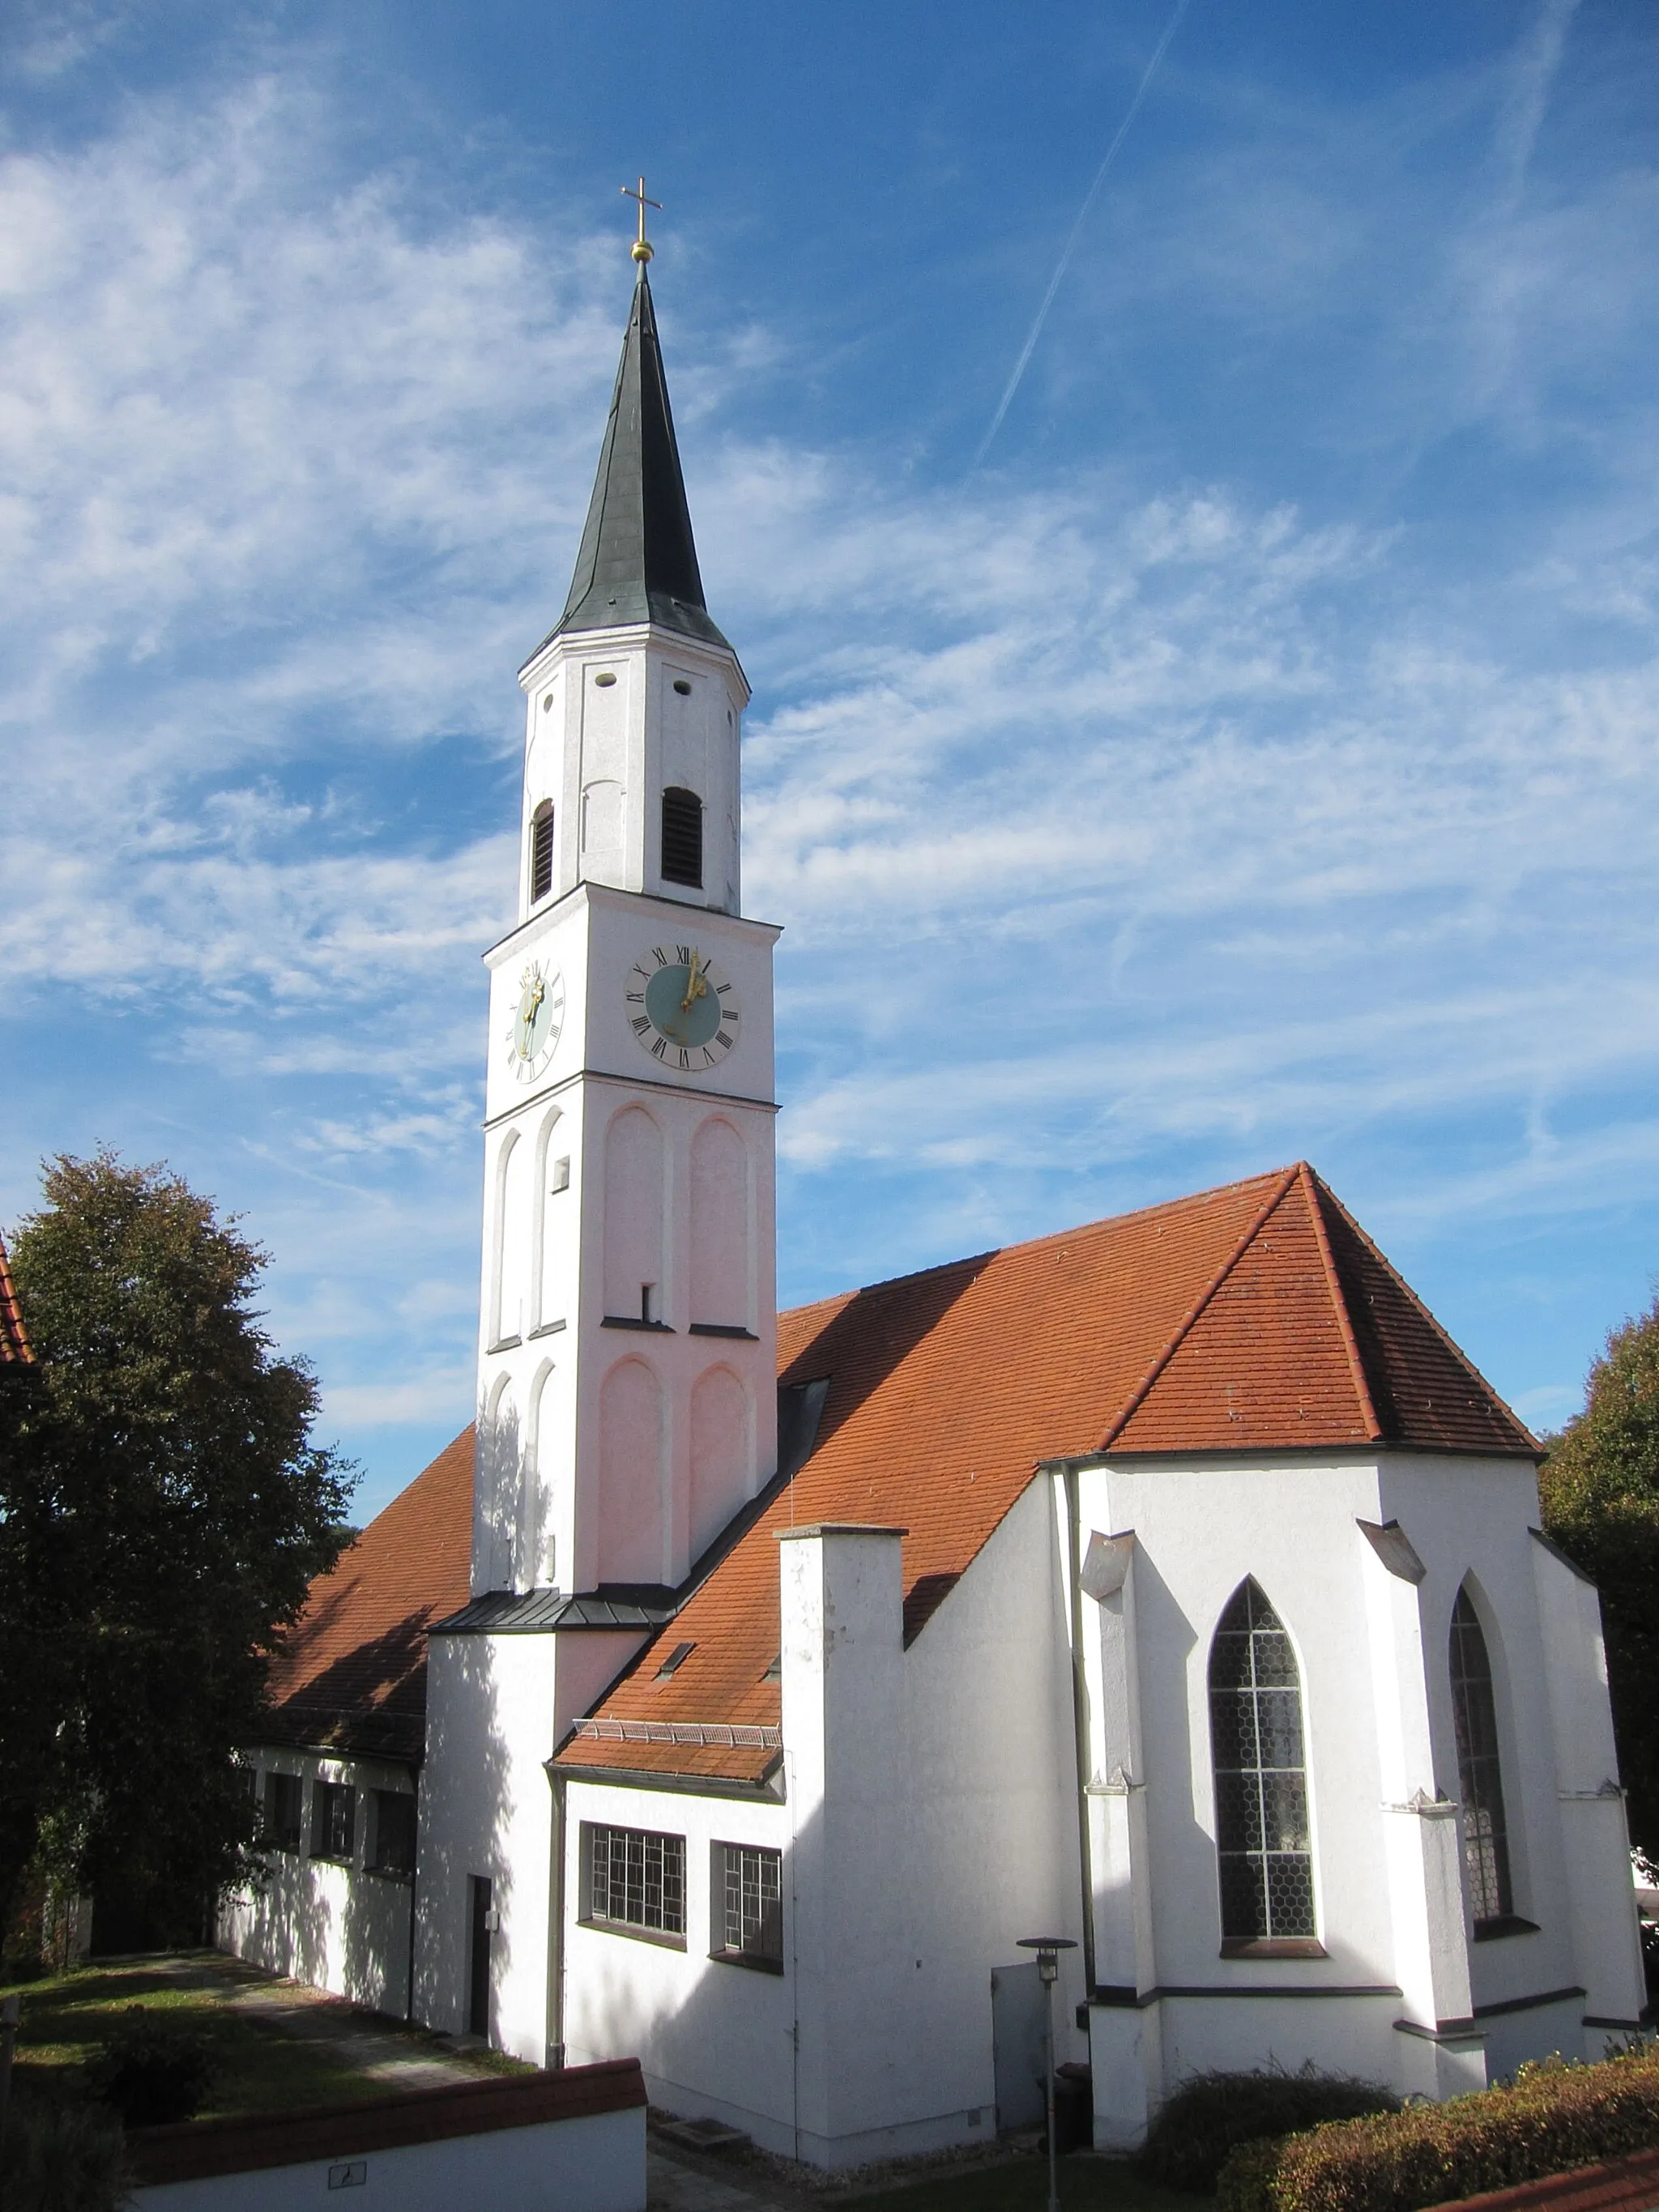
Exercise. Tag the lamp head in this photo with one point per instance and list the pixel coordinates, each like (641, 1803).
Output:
(1047, 1949)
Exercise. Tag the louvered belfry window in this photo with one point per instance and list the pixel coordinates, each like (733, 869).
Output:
(541, 851)
(682, 837)
(1474, 1717)
(1262, 1839)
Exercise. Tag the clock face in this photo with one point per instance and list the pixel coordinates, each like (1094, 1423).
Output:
(537, 1021)
(682, 1008)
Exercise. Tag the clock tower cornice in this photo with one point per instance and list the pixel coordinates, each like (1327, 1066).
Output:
(649, 905)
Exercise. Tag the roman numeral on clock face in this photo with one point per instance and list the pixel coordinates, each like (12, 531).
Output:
(659, 1047)
(638, 1023)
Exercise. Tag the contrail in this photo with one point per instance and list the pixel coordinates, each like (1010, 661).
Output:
(1030, 347)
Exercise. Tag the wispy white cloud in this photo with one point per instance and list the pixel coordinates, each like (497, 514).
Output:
(1124, 828)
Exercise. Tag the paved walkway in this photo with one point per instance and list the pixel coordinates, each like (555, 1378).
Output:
(386, 2056)
(392, 2058)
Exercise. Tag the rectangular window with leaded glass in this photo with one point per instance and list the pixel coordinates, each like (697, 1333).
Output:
(746, 1909)
(634, 1881)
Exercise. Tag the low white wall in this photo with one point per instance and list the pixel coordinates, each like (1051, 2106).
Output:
(590, 2165)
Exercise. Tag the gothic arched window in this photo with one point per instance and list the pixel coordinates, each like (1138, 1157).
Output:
(1262, 1841)
(541, 851)
(682, 837)
(1474, 1717)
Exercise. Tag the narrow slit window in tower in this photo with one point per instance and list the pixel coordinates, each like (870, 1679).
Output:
(682, 837)
(541, 851)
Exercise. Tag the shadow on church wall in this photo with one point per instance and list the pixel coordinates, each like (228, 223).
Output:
(470, 1793)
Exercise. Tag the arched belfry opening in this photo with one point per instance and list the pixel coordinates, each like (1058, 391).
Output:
(541, 851)
(682, 837)
(1263, 1843)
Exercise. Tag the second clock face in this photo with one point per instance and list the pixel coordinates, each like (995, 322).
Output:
(536, 1020)
(682, 1008)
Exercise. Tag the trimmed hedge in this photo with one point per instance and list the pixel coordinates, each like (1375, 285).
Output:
(1552, 2118)
(1210, 2115)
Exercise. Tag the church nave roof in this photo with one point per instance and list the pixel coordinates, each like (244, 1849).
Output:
(1257, 1317)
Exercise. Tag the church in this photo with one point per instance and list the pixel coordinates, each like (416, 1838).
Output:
(742, 1688)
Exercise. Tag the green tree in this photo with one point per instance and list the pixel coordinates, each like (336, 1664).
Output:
(162, 1510)
(1601, 1495)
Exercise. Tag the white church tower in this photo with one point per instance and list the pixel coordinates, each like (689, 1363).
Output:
(627, 1405)
(626, 1394)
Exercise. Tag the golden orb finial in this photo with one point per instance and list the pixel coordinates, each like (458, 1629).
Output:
(642, 249)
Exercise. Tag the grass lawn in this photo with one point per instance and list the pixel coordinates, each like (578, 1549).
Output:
(1086, 2184)
(258, 2069)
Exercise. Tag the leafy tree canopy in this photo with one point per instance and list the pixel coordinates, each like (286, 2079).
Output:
(162, 1510)
(1601, 1495)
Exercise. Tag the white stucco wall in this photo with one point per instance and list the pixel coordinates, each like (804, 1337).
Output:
(339, 1927)
(496, 1705)
(712, 2036)
(1373, 1651)
(929, 1822)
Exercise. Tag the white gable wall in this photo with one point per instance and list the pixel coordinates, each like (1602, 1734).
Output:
(1373, 1651)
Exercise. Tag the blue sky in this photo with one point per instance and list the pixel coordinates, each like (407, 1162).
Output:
(1254, 756)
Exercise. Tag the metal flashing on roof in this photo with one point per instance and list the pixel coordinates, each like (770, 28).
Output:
(1556, 1552)
(769, 1788)
(1394, 1548)
(533, 1613)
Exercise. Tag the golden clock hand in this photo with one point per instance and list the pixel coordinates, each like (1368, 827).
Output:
(696, 988)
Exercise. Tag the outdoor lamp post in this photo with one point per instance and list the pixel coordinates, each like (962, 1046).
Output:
(1048, 1948)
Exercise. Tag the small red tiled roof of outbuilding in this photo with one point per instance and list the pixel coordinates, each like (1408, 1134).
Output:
(352, 1670)
(13, 1337)
(1255, 1318)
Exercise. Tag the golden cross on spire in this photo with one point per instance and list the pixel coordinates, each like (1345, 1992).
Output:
(641, 248)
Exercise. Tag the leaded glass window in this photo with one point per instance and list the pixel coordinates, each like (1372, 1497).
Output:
(1262, 1840)
(1475, 1716)
(752, 1901)
(636, 1879)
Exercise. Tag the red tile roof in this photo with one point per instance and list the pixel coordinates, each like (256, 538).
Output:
(1258, 1317)
(352, 1672)
(1255, 1317)
(13, 1338)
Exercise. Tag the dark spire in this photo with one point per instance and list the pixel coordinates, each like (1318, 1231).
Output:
(638, 562)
